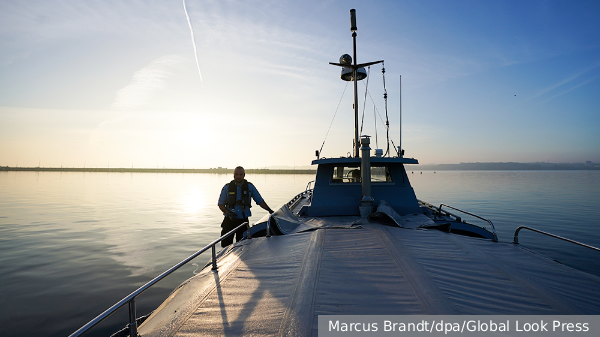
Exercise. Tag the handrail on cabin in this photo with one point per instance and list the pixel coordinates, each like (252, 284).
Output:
(494, 235)
(308, 185)
(516, 239)
(130, 299)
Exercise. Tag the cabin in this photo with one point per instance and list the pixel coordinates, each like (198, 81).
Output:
(338, 186)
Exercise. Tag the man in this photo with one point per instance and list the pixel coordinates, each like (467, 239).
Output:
(234, 202)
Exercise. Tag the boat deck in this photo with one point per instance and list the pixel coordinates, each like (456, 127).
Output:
(280, 285)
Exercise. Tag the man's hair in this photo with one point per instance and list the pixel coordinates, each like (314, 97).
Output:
(239, 168)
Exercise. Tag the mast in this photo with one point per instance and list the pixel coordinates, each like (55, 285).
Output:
(355, 80)
(358, 73)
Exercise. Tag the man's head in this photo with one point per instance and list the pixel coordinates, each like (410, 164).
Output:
(239, 174)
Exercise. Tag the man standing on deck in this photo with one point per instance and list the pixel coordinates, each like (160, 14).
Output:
(234, 202)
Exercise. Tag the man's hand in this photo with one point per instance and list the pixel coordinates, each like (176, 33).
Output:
(266, 207)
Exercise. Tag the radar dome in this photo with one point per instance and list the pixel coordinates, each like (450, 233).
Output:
(345, 59)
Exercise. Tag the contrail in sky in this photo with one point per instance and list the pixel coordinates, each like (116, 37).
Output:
(193, 43)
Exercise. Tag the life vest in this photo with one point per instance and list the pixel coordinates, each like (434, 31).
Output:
(232, 200)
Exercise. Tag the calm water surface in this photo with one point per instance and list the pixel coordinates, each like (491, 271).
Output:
(565, 203)
(72, 244)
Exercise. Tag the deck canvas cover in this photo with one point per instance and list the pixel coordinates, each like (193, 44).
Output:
(280, 285)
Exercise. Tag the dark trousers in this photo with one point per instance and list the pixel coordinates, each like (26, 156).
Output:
(227, 225)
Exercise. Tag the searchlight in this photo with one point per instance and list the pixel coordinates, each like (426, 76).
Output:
(346, 75)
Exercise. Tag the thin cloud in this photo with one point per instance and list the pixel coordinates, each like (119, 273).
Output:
(145, 83)
(29, 27)
(565, 81)
(570, 89)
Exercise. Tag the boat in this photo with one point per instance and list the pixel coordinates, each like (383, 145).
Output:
(359, 242)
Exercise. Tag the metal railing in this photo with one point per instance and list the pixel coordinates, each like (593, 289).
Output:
(516, 239)
(130, 299)
(308, 185)
(494, 235)
(308, 188)
(295, 200)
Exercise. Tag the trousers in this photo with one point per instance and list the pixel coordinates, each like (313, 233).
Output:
(227, 225)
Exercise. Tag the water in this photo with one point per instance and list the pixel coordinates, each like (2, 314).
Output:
(72, 244)
(565, 203)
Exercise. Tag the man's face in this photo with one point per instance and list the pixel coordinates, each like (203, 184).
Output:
(238, 175)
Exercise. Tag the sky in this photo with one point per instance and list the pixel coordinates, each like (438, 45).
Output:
(123, 84)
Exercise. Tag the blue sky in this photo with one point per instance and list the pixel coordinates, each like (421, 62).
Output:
(113, 83)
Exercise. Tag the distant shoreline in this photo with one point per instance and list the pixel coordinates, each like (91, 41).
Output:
(508, 166)
(152, 170)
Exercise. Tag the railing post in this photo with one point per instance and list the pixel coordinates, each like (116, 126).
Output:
(269, 226)
(214, 258)
(248, 235)
(516, 237)
(132, 321)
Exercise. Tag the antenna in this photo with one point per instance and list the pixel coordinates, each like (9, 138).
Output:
(355, 80)
(400, 143)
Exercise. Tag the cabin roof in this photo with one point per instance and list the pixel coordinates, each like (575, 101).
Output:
(374, 160)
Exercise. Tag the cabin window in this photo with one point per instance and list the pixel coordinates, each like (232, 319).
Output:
(348, 174)
(380, 174)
